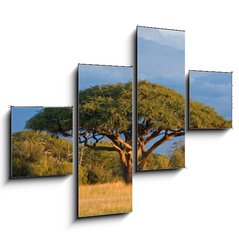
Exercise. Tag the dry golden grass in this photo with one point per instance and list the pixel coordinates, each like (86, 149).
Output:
(104, 199)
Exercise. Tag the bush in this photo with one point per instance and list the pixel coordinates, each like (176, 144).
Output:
(157, 161)
(36, 153)
(176, 160)
(98, 166)
(178, 157)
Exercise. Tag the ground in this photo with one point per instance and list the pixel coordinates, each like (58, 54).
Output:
(105, 199)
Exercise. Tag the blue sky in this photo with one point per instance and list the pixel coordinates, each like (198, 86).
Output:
(161, 60)
(161, 57)
(214, 89)
(92, 75)
(20, 115)
(166, 148)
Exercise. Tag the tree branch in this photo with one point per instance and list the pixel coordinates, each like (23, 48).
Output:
(66, 134)
(102, 148)
(167, 136)
(118, 148)
(93, 135)
(152, 136)
(140, 148)
(124, 143)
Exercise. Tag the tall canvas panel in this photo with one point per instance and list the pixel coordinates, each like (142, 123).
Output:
(104, 140)
(41, 141)
(160, 99)
(210, 100)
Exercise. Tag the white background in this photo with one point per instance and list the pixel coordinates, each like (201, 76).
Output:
(41, 43)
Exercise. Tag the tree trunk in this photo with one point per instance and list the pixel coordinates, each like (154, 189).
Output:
(126, 162)
(144, 155)
(142, 161)
(82, 152)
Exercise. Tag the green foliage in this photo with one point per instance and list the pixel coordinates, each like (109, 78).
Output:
(106, 107)
(163, 107)
(36, 153)
(52, 120)
(106, 112)
(158, 161)
(177, 159)
(83, 175)
(99, 166)
(201, 116)
(110, 107)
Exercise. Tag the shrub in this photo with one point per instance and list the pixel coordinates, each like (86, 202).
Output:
(36, 153)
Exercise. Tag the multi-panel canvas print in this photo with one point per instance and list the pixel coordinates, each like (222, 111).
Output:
(41, 141)
(210, 100)
(104, 140)
(160, 99)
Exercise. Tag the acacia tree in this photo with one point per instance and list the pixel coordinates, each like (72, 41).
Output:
(161, 117)
(204, 117)
(161, 114)
(105, 114)
(57, 121)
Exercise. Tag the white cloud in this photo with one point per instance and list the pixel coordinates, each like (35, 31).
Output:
(170, 38)
(109, 72)
(220, 88)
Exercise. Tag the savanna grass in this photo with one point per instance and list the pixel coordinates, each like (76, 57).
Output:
(104, 199)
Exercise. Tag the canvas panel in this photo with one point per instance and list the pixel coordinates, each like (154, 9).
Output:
(160, 99)
(104, 140)
(41, 141)
(210, 100)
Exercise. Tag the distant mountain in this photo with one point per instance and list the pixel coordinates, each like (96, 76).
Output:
(161, 64)
(175, 83)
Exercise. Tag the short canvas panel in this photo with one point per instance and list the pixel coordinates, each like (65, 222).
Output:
(210, 100)
(104, 140)
(160, 99)
(41, 141)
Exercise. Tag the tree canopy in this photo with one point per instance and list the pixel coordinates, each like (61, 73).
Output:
(52, 120)
(161, 117)
(201, 116)
(160, 106)
(106, 107)
(105, 114)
